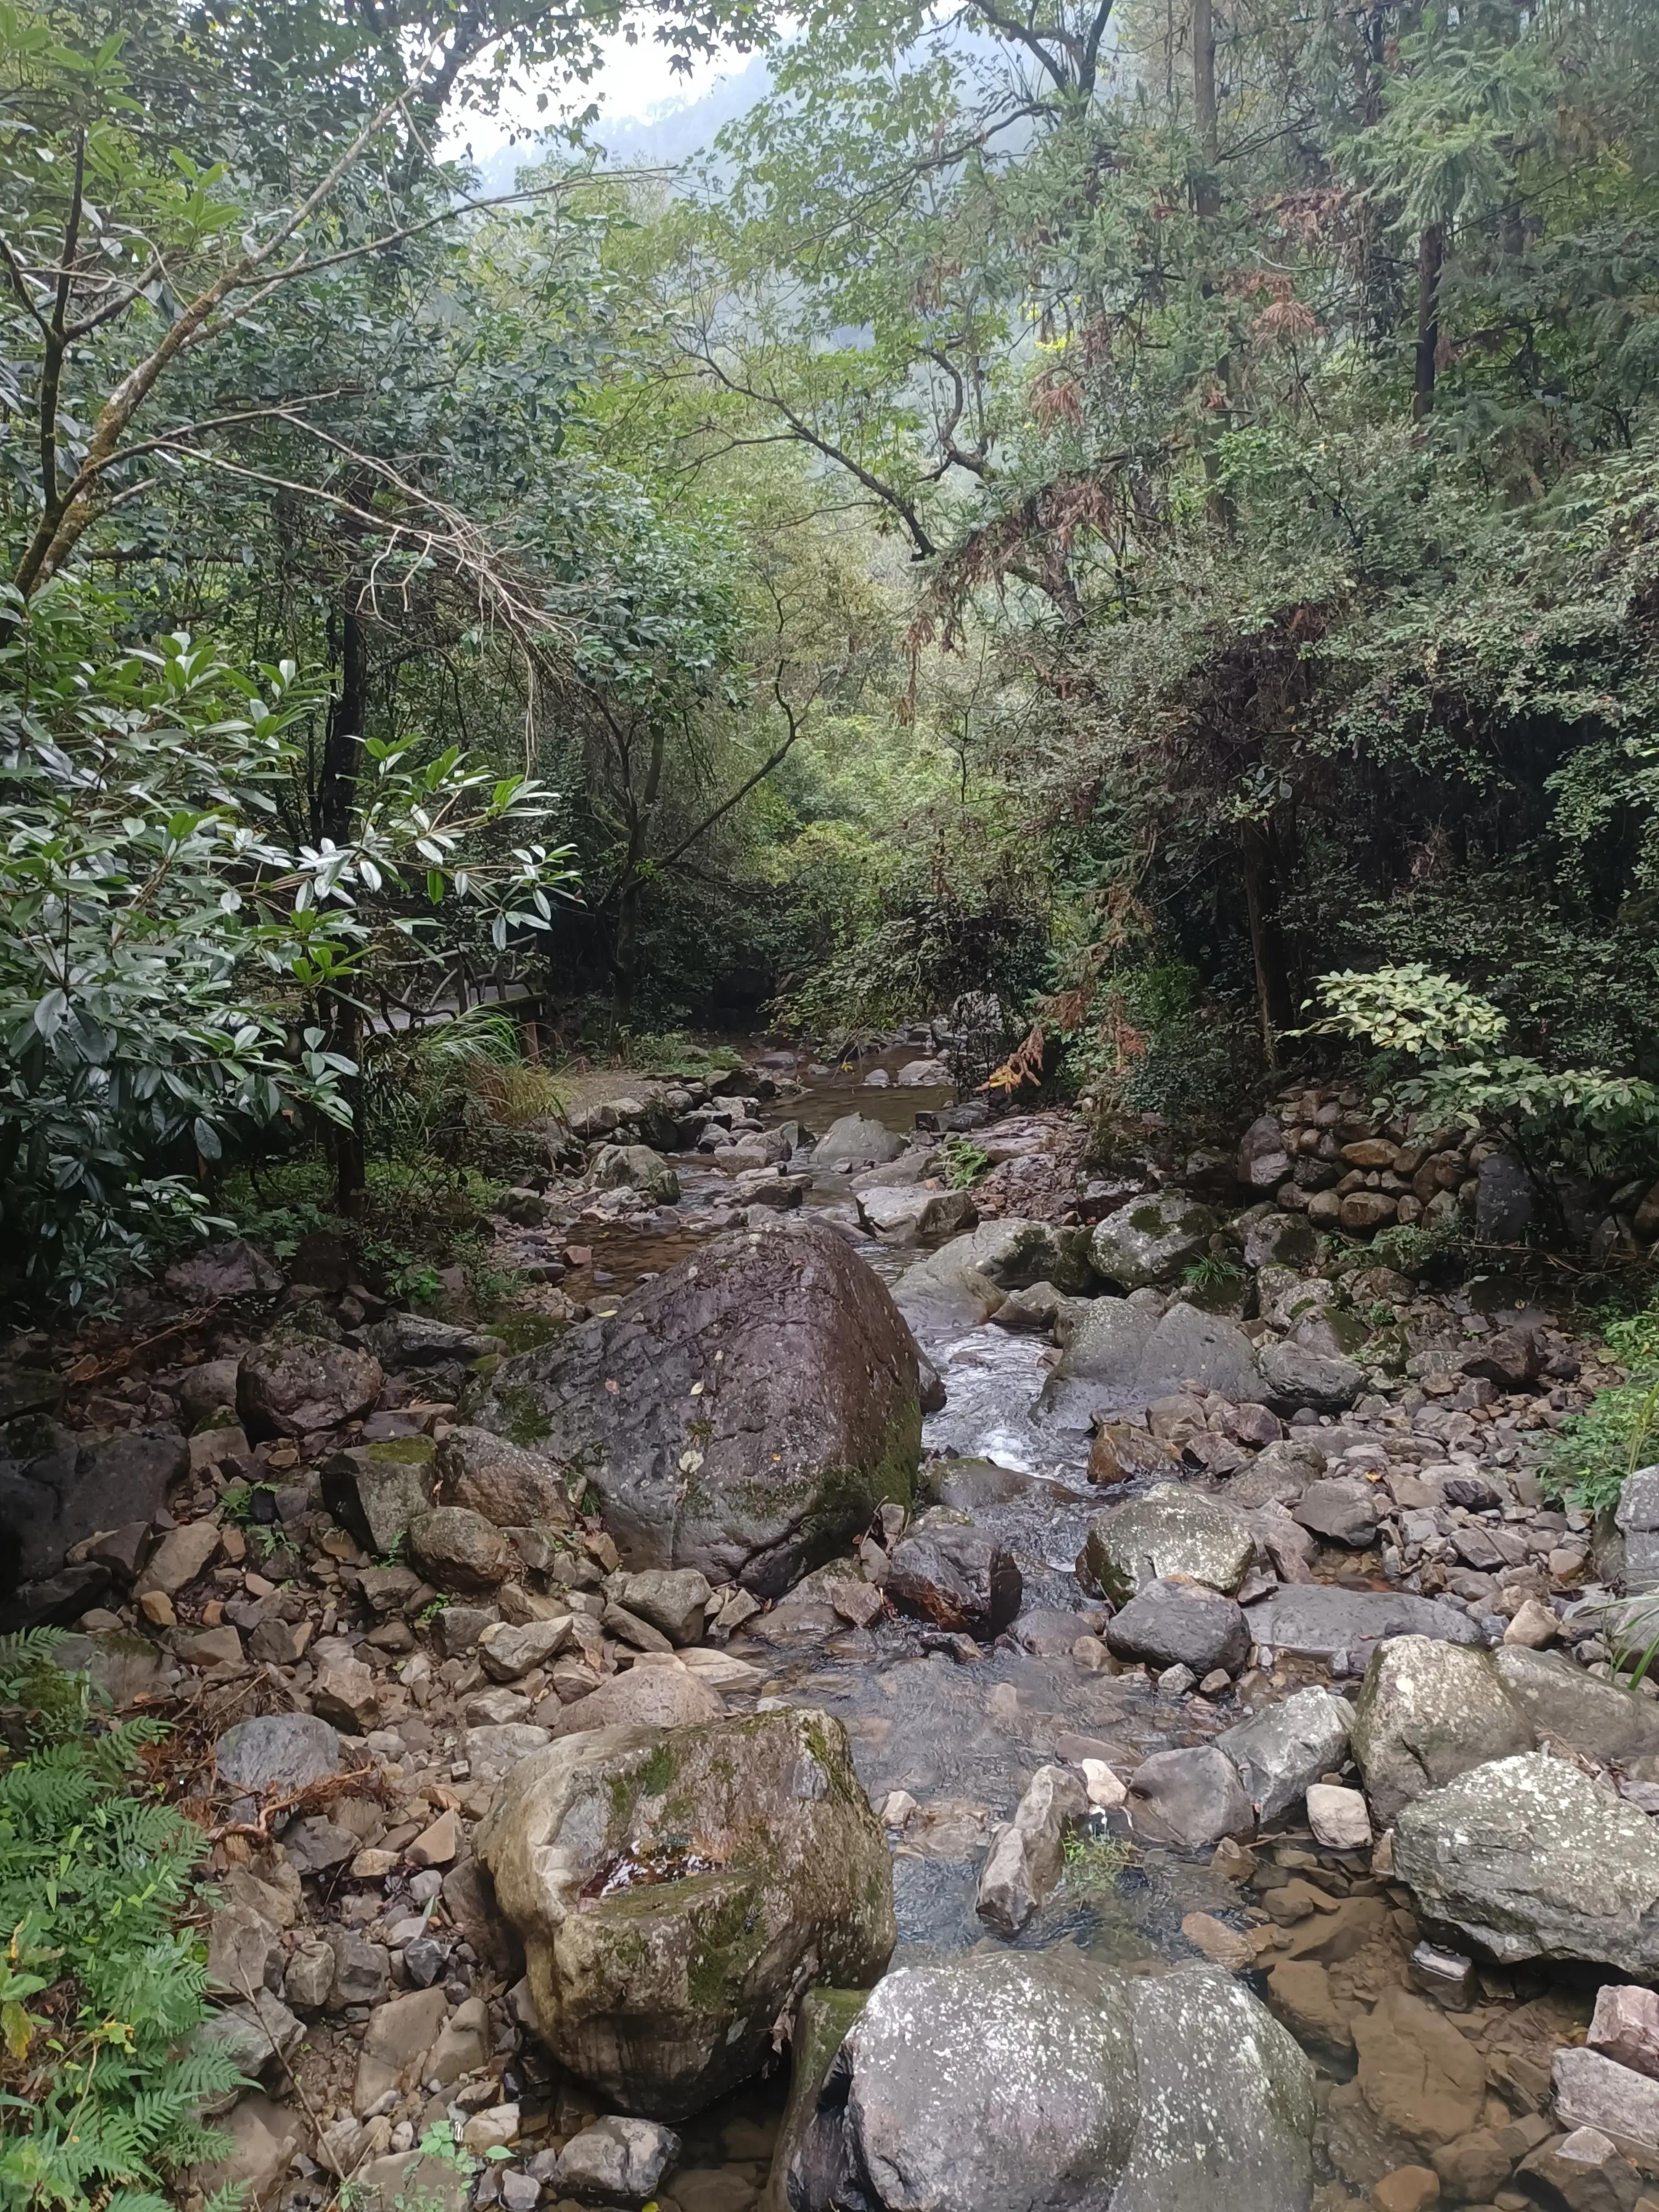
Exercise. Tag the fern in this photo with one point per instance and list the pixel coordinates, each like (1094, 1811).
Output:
(100, 1983)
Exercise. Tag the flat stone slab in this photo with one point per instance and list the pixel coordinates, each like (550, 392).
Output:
(1316, 1620)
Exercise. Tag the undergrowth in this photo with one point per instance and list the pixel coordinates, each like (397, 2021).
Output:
(100, 1985)
(1591, 1453)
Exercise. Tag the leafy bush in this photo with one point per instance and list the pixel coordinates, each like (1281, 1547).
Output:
(100, 1985)
(170, 957)
(1591, 1453)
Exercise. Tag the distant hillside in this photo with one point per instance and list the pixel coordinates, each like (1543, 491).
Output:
(665, 138)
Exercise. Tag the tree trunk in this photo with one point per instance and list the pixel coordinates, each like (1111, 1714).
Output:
(1207, 192)
(1273, 989)
(334, 814)
(1430, 258)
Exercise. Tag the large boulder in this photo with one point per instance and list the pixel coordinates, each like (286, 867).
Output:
(1181, 1623)
(1264, 1162)
(1125, 1352)
(633, 1167)
(677, 1892)
(855, 1142)
(965, 1281)
(1528, 1858)
(1169, 1532)
(1427, 1712)
(1043, 2079)
(1296, 1377)
(743, 1413)
(292, 1386)
(915, 1214)
(57, 1490)
(376, 1490)
(234, 1269)
(1284, 1747)
(1153, 1239)
(1317, 1620)
(960, 1579)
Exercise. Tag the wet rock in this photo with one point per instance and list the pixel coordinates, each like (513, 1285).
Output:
(617, 2161)
(1181, 1623)
(1317, 1621)
(1191, 1799)
(672, 1600)
(1343, 1511)
(1417, 2073)
(1169, 1532)
(1595, 2090)
(1042, 2079)
(1027, 1858)
(1626, 2027)
(1295, 1376)
(460, 1550)
(765, 1401)
(809, 2163)
(376, 1490)
(278, 1752)
(635, 1167)
(233, 1269)
(1530, 1859)
(854, 1141)
(964, 1282)
(1428, 1711)
(1504, 1201)
(1152, 1240)
(1286, 1746)
(1119, 1454)
(659, 1696)
(960, 1579)
(662, 1992)
(293, 1385)
(510, 1486)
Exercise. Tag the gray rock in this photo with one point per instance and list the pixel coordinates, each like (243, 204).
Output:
(1564, 1705)
(376, 1490)
(1008, 2081)
(1345, 1510)
(1281, 1240)
(1124, 1353)
(916, 1215)
(673, 1600)
(60, 1491)
(1191, 1798)
(1592, 2091)
(1316, 1620)
(1151, 1239)
(636, 1167)
(964, 1282)
(1278, 1473)
(459, 1550)
(855, 1142)
(508, 1651)
(1023, 1866)
(282, 1752)
(1636, 1519)
(1295, 1377)
(1181, 1623)
(1263, 1161)
(663, 1993)
(959, 1579)
(293, 1385)
(405, 1342)
(1530, 1859)
(617, 2161)
(258, 2035)
(310, 1976)
(1428, 1711)
(362, 1969)
(805, 1416)
(1170, 1531)
(317, 1843)
(233, 1269)
(1283, 1748)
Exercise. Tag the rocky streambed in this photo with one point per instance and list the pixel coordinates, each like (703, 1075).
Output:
(1065, 1691)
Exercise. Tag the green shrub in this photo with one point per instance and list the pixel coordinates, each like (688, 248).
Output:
(1591, 1453)
(100, 1983)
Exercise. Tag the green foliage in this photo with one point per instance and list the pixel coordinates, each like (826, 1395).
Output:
(101, 1983)
(1095, 1864)
(1408, 1009)
(964, 1163)
(1589, 1455)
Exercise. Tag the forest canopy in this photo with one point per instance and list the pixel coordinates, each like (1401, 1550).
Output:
(1134, 507)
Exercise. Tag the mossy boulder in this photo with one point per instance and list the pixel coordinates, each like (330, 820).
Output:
(678, 1890)
(376, 1490)
(1153, 1239)
(743, 1413)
